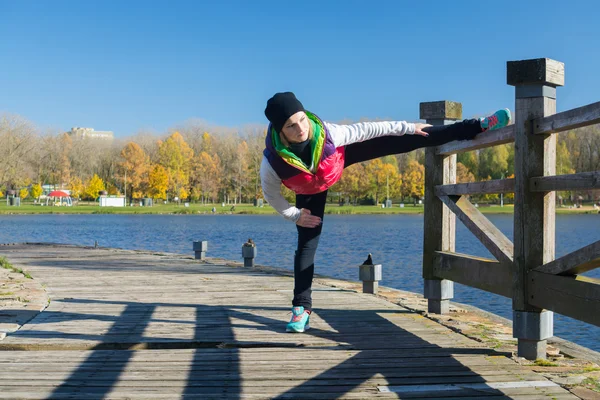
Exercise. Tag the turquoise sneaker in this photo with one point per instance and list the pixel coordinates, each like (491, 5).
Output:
(300, 320)
(498, 120)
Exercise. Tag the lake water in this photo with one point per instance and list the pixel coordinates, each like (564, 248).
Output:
(396, 241)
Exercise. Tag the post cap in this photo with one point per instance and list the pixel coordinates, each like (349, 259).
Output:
(537, 71)
(444, 109)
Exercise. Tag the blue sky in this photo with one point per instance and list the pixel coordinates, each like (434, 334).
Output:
(131, 65)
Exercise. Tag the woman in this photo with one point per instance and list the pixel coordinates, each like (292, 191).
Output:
(308, 155)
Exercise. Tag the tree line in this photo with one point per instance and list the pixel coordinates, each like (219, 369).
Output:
(201, 163)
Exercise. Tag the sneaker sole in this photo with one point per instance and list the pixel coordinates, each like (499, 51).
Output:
(291, 330)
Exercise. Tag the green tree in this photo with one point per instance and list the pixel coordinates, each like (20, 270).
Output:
(493, 162)
(470, 160)
(563, 166)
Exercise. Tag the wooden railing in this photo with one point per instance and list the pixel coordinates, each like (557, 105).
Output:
(525, 271)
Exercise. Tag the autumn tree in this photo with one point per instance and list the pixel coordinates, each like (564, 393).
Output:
(77, 188)
(413, 181)
(17, 140)
(241, 177)
(158, 182)
(93, 188)
(227, 152)
(175, 156)
(463, 175)
(206, 177)
(36, 191)
(352, 183)
(135, 167)
(256, 144)
(383, 179)
(64, 173)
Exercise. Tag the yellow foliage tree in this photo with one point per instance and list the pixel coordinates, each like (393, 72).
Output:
(158, 182)
(206, 176)
(112, 189)
(93, 188)
(175, 155)
(23, 193)
(207, 145)
(489, 197)
(463, 175)
(77, 188)
(413, 181)
(64, 171)
(510, 196)
(383, 178)
(36, 191)
(183, 194)
(135, 167)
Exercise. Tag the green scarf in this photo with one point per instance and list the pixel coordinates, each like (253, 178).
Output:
(317, 144)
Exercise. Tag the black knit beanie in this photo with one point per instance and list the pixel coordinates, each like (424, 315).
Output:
(280, 107)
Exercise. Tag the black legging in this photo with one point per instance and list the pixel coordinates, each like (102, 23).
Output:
(308, 238)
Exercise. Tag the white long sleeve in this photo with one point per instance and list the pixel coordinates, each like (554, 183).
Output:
(341, 135)
(271, 186)
(347, 134)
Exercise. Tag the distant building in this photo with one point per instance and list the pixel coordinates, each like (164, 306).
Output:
(91, 133)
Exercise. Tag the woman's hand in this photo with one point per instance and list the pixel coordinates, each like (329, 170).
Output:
(306, 220)
(419, 129)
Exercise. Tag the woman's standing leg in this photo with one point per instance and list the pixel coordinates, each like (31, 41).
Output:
(308, 241)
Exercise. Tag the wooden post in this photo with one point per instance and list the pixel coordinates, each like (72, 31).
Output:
(535, 84)
(370, 275)
(200, 248)
(439, 222)
(249, 253)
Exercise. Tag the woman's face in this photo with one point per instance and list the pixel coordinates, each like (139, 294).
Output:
(296, 128)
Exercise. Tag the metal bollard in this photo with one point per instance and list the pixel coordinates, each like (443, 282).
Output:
(370, 275)
(200, 248)
(248, 253)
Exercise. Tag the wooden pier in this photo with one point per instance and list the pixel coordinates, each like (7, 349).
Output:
(125, 324)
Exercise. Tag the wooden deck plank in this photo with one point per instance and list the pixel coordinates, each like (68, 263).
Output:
(215, 330)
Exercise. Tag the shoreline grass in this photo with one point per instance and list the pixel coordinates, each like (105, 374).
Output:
(246, 209)
(6, 265)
